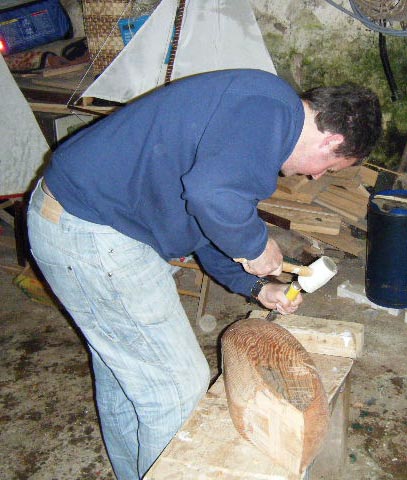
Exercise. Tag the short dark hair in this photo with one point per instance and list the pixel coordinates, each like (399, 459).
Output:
(350, 110)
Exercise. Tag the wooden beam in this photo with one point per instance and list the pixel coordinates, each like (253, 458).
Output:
(8, 242)
(6, 217)
(342, 206)
(65, 109)
(368, 175)
(344, 241)
(336, 441)
(302, 217)
(305, 193)
(293, 183)
(273, 219)
(64, 70)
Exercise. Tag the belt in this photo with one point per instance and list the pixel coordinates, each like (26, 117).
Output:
(45, 188)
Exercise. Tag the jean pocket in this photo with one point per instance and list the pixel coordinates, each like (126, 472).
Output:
(65, 285)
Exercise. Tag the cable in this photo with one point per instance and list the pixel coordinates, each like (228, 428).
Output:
(395, 95)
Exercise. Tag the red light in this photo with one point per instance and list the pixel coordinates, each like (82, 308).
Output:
(2, 46)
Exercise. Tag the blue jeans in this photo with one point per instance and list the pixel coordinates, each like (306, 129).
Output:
(149, 369)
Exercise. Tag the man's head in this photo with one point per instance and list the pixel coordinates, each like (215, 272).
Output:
(342, 125)
(350, 110)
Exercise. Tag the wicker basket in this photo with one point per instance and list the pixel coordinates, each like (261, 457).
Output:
(100, 19)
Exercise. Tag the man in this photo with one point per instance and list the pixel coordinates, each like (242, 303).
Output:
(180, 170)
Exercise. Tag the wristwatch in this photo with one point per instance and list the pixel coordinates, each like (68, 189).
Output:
(254, 292)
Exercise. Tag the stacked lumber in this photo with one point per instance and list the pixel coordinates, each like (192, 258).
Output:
(330, 209)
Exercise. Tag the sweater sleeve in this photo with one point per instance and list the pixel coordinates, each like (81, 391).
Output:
(237, 164)
(224, 270)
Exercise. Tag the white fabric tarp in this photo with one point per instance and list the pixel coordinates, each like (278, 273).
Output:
(218, 35)
(215, 35)
(23, 145)
(140, 66)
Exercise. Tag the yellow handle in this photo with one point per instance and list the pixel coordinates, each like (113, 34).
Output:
(293, 291)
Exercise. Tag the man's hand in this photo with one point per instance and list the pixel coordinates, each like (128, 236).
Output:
(270, 262)
(272, 296)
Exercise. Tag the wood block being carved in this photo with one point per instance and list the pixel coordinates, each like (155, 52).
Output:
(275, 396)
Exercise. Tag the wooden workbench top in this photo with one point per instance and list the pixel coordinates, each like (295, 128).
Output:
(208, 447)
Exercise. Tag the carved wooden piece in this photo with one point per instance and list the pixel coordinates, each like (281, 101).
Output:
(208, 446)
(275, 396)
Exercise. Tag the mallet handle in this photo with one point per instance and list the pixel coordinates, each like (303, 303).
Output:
(300, 270)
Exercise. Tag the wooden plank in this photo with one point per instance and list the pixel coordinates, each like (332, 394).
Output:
(177, 263)
(56, 85)
(208, 447)
(292, 205)
(321, 336)
(298, 197)
(349, 172)
(339, 205)
(348, 177)
(368, 176)
(351, 194)
(344, 182)
(361, 189)
(293, 183)
(344, 241)
(12, 269)
(305, 193)
(347, 198)
(64, 109)
(314, 187)
(361, 225)
(65, 70)
(303, 220)
(6, 217)
(274, 219)
(333, 457)
(203, 297)
(8, 242)
(68, 83)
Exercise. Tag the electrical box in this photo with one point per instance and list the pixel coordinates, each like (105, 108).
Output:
(29, 25)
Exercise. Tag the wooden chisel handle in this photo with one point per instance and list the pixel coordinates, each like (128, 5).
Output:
(301, 270)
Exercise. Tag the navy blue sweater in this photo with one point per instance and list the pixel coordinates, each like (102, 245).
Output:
(183, 168)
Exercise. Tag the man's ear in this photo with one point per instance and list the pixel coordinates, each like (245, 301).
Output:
(331, 141)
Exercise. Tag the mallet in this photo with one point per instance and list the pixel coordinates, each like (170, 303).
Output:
(310, 277)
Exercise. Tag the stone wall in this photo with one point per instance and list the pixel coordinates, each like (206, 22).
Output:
(313, 43)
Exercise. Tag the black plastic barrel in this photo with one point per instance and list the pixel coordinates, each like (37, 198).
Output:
(386, 260)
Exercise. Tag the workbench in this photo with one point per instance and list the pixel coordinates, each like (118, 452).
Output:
(208, 447)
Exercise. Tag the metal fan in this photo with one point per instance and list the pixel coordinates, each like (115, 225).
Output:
(381, 13)
(381, 10)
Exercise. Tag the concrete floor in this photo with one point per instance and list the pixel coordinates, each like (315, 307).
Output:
(49, 427)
